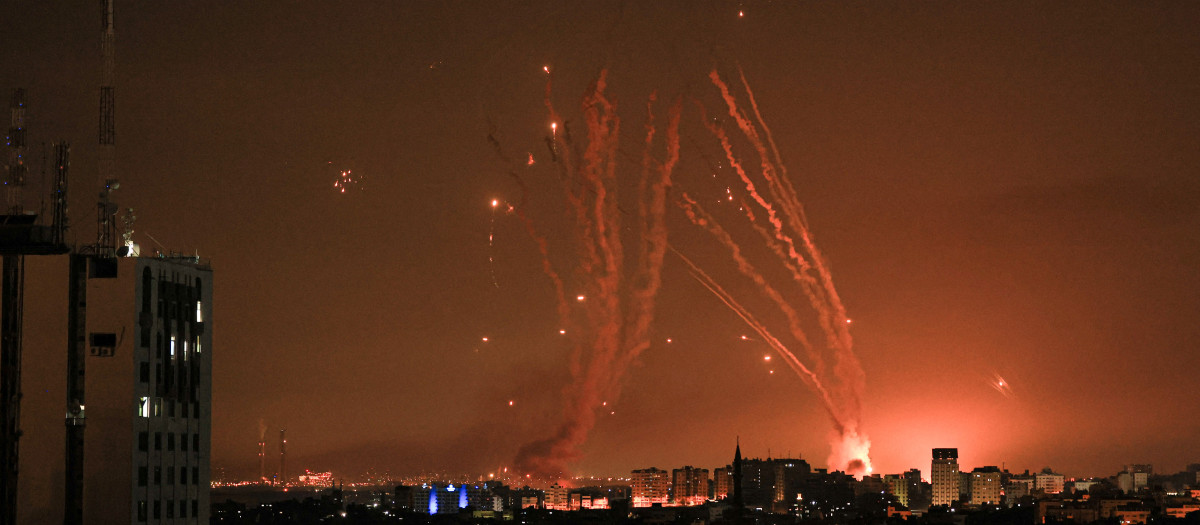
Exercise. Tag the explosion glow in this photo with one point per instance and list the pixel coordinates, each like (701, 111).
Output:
(611, 329)
(785, 233)
(346, 179)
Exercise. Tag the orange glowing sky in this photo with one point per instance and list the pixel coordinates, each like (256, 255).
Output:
(1001, 189)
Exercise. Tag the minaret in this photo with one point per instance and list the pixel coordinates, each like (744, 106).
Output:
(737, 477)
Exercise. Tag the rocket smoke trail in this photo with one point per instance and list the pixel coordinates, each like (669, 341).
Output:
(615, 310)
(789, 237)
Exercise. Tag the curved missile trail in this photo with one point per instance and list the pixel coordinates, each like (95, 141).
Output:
(786, 214)
(804, 372)
(701, 218)
(612, 325)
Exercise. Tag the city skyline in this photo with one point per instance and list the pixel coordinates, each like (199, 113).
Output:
(1004, 193)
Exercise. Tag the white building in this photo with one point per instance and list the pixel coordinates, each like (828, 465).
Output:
(1049, 482)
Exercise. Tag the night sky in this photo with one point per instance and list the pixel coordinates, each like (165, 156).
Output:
(1001, 189)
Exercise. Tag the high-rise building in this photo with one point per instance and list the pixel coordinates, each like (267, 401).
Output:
(145, 327)
(985, 486)
(897, 486)
(722, 483)
(790, 475)
(152, 396)
(689, 486)
(650, 487)
(944, 475)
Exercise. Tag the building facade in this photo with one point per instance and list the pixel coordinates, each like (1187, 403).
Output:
(945, 476)
(722, 483)
(689, 486)
(986, 486)
(650, 486)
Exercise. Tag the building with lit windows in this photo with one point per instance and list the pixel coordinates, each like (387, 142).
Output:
(985, 486)
(689, 486)
(945, 476)
(150, 393)
(145, 331)
(897, 486)
(556, 498)
(722, 483)
(650, 487)
(1049, 482)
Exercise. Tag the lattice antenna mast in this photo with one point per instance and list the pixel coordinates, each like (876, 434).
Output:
(14, 180)
(106, 210)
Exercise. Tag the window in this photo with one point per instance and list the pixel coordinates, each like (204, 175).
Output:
(182, 508)
(170, 508)
(158, 441)
(171, 441)
(144, 372)
(183, 442)
(199, 313)
(183, 475)
(141, 511)
(195, 507)
(196, 442)
(143, 441)
(195, 478)
(171, 475)
(172, 346)
(144, 408)
(157, 509)
(157, 481)
(157, 407)
(142, 476)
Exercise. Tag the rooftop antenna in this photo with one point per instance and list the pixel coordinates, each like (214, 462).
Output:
(106, 209)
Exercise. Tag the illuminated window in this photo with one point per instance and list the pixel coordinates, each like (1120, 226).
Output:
(144, 407)
(197, 344)
(199, 313)
(172, 346)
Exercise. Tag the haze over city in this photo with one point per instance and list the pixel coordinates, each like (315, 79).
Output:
(1004, 194)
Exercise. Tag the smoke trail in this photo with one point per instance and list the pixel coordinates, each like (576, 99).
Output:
(530, 229)
(849, 447)
(804, 372)
(618, 303)
(701, 218)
